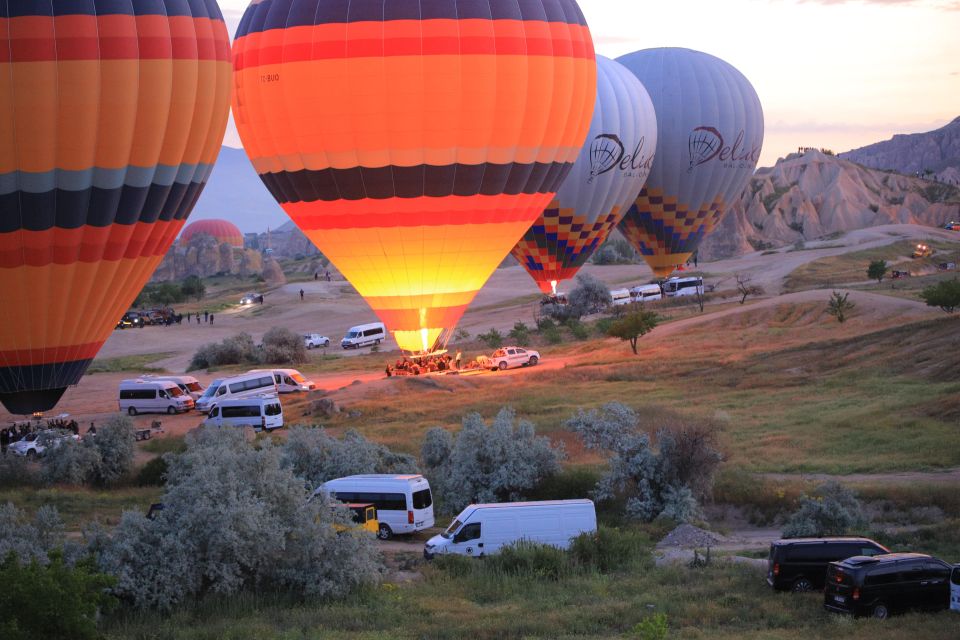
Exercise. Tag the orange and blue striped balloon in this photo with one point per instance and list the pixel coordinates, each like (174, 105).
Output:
(414, 141)
(111, 116)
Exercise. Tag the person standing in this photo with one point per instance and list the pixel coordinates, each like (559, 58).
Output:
(206, 316)
(459, 356)
(301, 295)
(211, 318)
(198, 317)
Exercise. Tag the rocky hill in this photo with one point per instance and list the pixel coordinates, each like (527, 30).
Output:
(934, 153)
(810, 196)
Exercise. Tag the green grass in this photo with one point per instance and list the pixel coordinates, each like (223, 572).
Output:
(79, 506)
(139, 363)
(171, 444)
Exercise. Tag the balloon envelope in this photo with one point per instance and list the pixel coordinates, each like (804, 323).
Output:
(611, 168)
(220, 230)
(111, 115)
(710, 132)
(413, 141)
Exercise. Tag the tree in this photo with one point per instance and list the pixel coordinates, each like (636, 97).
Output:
(103, 459)
(876, 270)
(283, 346)
(744, 288)
(839, 306)
(945, 294)
(487, 464)
(633, 326)
(520, 333)
(832, 510)
(193, 287)
(492, 338)
(589, 296)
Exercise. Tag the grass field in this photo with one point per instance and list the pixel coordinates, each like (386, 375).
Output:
(139, 363)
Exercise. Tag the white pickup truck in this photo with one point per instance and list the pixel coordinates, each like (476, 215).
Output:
(315, 340)
(509, 357)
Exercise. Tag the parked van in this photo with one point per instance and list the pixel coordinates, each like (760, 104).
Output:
(955, 589)
(881, 585)
(153, 396)
(483, 529)
(262, 412)
(646, 293)
(620, 297)
(675, 287)
(288, 380)
(242, 386)
(188, 384)
(800, 564)
(363, 335)
(404, 502)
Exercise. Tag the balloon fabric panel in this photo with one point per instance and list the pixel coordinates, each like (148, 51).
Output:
(112, 113)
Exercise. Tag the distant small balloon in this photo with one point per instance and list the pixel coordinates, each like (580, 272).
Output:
(710, 133)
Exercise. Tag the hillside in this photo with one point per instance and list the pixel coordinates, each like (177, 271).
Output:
(811, 196)
(936, 152)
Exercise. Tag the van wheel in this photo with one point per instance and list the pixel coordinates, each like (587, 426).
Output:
(503, 365)
(132, 411)
(880, 611)
(377, 341)
(801, 585)
(31, 454)
(384, 532)
(171, 410)
(533, 361)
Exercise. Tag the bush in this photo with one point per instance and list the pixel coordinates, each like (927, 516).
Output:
(589, 296)
(551, 333)
(652, 628)
(154, 473)
(51, 600)
(577, 329)
(102, 459)
(666, 481)
(283, 346)
(832, 510)
(16, 472)
(944, 294)
(487, 464)
(29, 540)
(234, 518)
(520, 334)
(236, 349)
(315, 456)
(193, 287)
(607, 550)
(633, 326)
(492, 338)
(839, 306)
(530, 559)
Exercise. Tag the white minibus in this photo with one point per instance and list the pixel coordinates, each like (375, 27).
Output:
(363, 335)
(188, 384)
(262, 412)
(620, 297)
(288, 380)
(646, 293)
(675, 287)
(483, 529)
(153, 396)
(404, 502)
(242, 386)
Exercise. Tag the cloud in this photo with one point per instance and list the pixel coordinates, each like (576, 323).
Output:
(941, 5)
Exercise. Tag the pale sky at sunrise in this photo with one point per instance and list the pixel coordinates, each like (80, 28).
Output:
(830, 73)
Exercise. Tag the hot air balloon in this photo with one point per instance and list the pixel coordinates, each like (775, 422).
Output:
(606, 178)
(111, 115)
(414, 141)
(220, 230)
(710, 131)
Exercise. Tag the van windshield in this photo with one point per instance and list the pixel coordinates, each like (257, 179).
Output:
(211, 390)
(299, 378)
(353, 334)
(175, 392)
(194, 386)
(452, 529)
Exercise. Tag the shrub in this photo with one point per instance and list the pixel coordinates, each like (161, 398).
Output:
(633, 326)
(607, 550)
(589, 296)
(70, 462)
(944, 294)
(488, 464)
(51, 600)
(315, 456)
(831, 510)
(283, 346)
(29, 540)
(16, 472)
(102, 459)
(839, 306)
(234, 518)
(664, 482)
(520, 333)
(492, 338)
(530, 559)
(654, 627)
(193, 287)
(236, 349)
(577, 329)
(876, 270)
(153, 474)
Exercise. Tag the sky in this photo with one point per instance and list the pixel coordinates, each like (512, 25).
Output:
(836, 74)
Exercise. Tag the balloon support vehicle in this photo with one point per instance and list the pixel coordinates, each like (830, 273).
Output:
(512, 357)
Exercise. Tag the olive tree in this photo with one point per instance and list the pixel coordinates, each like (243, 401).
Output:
(831, 510)
(484, 463)
(944, 294)
(102, 459)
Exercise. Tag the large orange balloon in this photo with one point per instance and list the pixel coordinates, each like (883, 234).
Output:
(111, 115)
(414, 141)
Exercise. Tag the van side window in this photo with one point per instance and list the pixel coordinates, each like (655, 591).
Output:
(422, 499)
(886, 575)
(245, 411)
(273, 409)
(468, 532)
(222, 390)
(870, 551)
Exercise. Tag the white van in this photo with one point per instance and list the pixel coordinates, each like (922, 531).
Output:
(482, 529)
(646, 293)
(404, 502)
(363, 335)
(264, 412)
(288, 380)
(620, 297)
(153, 396)
(188, 384)
(242, 386)
(675, 287)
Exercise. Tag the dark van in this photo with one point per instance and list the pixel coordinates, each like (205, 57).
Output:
(800, 564)
(880, 585)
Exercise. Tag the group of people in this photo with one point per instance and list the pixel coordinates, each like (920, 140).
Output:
(23, 430)
(326, 276)
(415, 365)
(207, 317)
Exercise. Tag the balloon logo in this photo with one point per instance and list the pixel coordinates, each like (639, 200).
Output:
(605, 179)
(710, 132)
(414, 141)
(605, 152)
(704, 145)
(112, 113)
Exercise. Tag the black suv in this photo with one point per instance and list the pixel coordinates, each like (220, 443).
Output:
(881, 585)
(800, 564)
